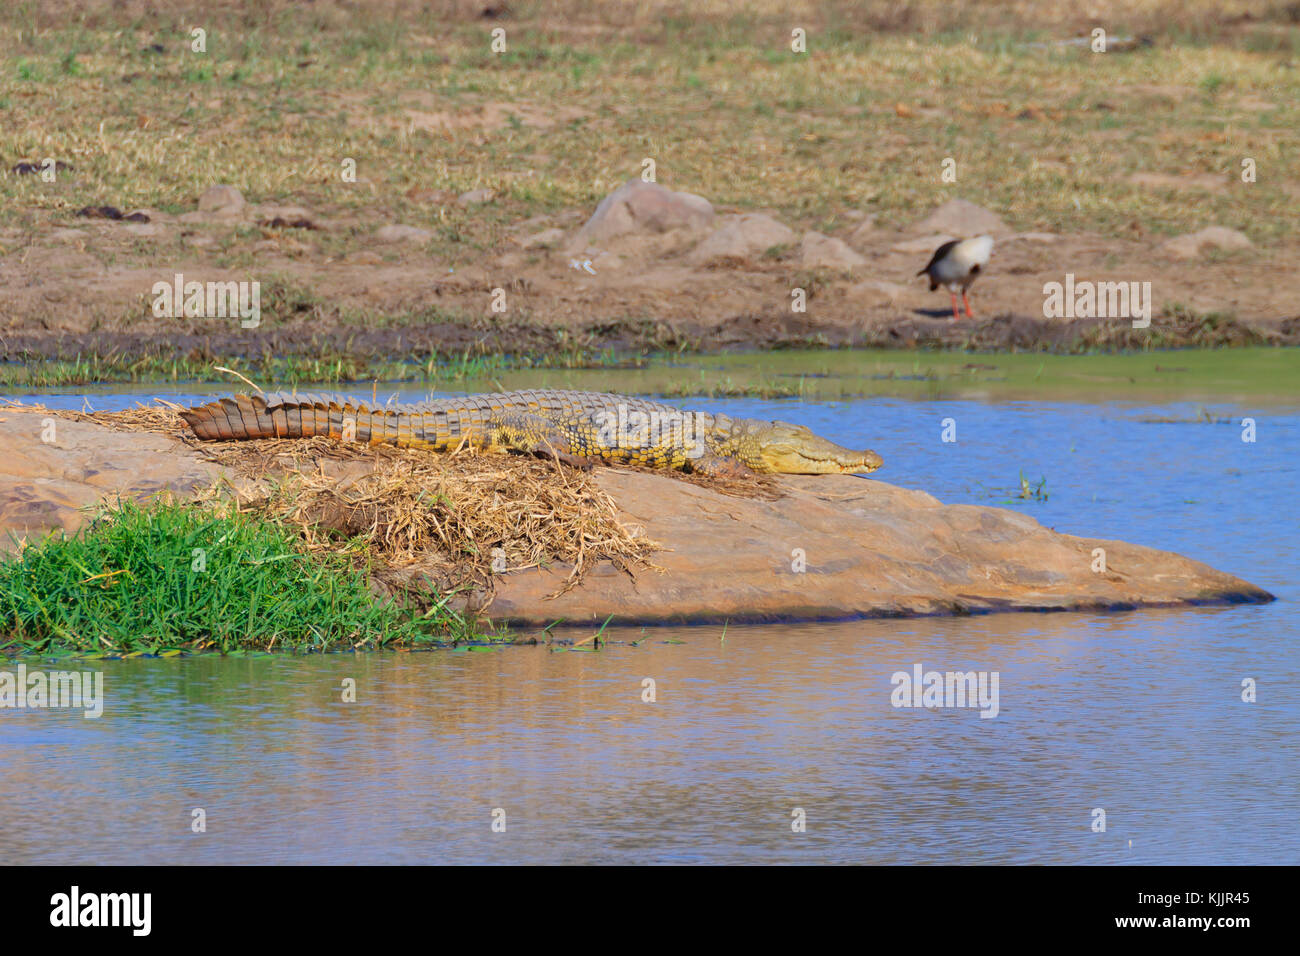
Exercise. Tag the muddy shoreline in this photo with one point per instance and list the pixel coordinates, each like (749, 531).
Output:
(770, 330)
(650, 270)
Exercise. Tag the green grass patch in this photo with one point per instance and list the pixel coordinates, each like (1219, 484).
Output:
(324, 366)
(1258, 373)
(182, 577)
(1255, 374)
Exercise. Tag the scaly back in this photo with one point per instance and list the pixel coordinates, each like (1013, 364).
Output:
(438, 424)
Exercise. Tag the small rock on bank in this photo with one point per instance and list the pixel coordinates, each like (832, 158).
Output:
(817, 251)
(641, 208)
(739, 238)
(1193, 244)
(222, 200)
(400, 233)
(958, 217)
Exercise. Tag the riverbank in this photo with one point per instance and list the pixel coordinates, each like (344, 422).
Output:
(458, 351)
(1252, 375)
(418, 197)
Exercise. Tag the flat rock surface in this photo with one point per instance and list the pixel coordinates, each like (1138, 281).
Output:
(869, 549)
(43, 484)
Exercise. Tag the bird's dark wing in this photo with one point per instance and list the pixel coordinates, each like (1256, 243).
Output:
(939, 253)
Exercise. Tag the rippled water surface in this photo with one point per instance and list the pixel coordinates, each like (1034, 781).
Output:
(1136, 713)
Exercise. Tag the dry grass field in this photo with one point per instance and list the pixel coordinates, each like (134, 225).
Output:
(1112, 153)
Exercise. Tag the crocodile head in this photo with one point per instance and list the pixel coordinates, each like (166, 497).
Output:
(785, 449)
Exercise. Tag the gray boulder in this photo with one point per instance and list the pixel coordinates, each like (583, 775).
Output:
(817, 251)
(641, 208)
(961, 218)
(741, 237)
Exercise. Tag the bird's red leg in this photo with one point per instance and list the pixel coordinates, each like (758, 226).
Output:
(956, 316)
(966, 302)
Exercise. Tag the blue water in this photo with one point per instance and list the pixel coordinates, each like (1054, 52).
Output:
(1139, 714)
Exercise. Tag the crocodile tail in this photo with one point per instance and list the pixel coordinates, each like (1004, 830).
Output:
(282, 415)
(253, 416)
(242, 416)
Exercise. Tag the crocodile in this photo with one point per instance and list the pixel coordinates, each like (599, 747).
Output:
(578, 428)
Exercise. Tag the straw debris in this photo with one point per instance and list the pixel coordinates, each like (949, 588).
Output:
(458, 520)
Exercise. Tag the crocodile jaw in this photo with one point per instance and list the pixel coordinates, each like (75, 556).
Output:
(784, 449)
(833, 461)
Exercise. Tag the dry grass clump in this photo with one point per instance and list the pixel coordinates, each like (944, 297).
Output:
(143, 418)
(451, 517)
(1178, 328)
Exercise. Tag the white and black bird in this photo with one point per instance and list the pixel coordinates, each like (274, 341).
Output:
(955, 265)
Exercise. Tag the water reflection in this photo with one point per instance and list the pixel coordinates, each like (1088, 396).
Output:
(1139, 714)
